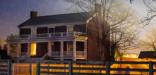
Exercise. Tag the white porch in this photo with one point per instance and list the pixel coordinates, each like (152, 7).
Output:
(57, 50)
(69, 50)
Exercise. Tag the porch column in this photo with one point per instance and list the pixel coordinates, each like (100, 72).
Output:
(29, 50)
(18, 49)
(49, 48)
(61, 53)
(74, 50)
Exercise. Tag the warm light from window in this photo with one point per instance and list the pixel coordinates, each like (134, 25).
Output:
(130, 55)
(33, 49)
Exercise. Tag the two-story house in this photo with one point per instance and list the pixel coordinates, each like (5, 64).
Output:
(62, 36)
(58, 36)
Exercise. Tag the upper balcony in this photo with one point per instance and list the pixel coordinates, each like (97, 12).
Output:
(53, 36)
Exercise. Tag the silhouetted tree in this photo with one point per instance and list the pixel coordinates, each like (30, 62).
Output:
(111, 24)
(0, 47)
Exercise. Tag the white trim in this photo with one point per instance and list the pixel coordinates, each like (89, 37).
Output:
(74, 50)
(50, 48)
(53, 24)
(62, 51)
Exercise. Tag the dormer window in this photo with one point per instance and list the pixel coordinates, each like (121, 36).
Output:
(42, 30)
(25, 31)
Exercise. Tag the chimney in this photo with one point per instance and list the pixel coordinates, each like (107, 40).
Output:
(97, 8)
(33, 14)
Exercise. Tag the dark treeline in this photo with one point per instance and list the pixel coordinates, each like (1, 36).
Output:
(3, 53)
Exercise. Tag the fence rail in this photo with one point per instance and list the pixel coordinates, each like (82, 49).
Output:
(92, 68)
(77, 68)
(5, 67)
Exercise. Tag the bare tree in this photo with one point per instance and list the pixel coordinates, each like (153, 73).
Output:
(149, 41)
(110, 25)
(11, 41)
(151, 11)
(2, 42)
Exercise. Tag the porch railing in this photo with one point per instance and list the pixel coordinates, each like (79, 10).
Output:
(5, 67)
(81, 54)
(69, 54)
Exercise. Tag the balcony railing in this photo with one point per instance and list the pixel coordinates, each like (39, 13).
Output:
(56, 54)
(47, 35)
(24, 36)
(50, 35)
(42, 35)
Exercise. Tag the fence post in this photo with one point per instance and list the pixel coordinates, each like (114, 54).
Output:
(9, 68)
(30, 68)
(127, 70)
(38, 69)
(48, 68)
(70, 68)
(151, 68)
(107, 68)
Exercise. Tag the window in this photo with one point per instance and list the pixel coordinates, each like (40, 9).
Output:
(25, 31)
(65, 46)
(80, 46)
(70, 45)
(56, 46)
(80, 28)
(51, 30)
(42, 48)
(33, 49)
(42, 30)
(60, 29)
(24, 47)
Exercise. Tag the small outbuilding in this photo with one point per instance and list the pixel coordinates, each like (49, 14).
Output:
(147, 54)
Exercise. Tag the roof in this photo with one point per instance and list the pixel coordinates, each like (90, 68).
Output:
(147, 54)
(60, 18)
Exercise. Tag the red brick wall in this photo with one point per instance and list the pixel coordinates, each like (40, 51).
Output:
(93, 28)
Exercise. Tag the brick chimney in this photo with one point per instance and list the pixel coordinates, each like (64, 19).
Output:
(97, 8)
(33, 14)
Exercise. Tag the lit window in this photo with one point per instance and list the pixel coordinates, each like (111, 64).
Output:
(33, 49)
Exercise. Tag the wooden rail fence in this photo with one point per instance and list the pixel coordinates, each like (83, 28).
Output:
(96, 68)
(77, 68)
(5, 67)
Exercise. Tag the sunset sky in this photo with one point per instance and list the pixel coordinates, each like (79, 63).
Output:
(14, 12)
